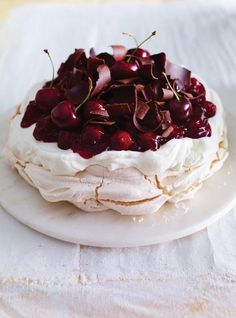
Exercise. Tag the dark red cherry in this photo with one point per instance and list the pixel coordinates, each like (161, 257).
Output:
(122, 70)
(31, 116)
(180, 110)
(94, 108)
(46, 98)
(204, 131)
(139, 52)
(199, 113)
(195, 124)
(196, 88)
(197, 101)
(92, 135)
(45, 130)
(121, 140)
(148, 140)
(66, 139)
(209, 108)
(177, 133)
(64, 115)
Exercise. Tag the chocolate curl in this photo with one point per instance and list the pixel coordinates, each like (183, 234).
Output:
(107, 58)
(92, 65)
(140, 111)
(92, 52)
(152, 70)
(77, 87)
(178, 72)
(121, 94)
(167, 94)
(118, 109)
(77, 59)
(104, 78)
(166, 119)
(167, 132)
(102, 122)
(153, 91)
(152, 118)
(119, 52)
(100, 113)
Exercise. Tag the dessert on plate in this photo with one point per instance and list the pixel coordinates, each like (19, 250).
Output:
(126, 131)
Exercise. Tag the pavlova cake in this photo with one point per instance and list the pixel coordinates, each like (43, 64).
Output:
(126, 131)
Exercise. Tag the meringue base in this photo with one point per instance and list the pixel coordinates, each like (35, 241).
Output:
(127, 191)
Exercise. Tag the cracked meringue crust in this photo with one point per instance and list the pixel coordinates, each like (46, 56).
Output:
(128, 182)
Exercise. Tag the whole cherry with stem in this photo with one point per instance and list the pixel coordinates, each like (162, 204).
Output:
(128, 69)
(181, 107)
(47, 97)
(138, 51)
(65, 116)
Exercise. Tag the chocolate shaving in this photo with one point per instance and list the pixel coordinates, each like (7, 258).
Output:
(167, 132)
(107, 58)
(100, 112)
(77, 59)
(166, 119)
(153, 69)
(178, 72)
(120, 94)
(177, 85)
(152, 119)
(102, 122)
(167, 94)
(142, 109)
(77, 87)
(92, 65)
(104, 78)
(118, 109)
(153, 91)
(92, 52)
(119, 52)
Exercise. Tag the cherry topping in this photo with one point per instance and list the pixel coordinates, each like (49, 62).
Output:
(66, 139)
(94, 108)
(122, 70)
(46, 98)
(180, 110)
(45, 130)
(130, 101)
(196, 88)
(92, 135)
(121, 140)
(64, 115)
(177, 133)
(195, 124)
(210, 109)
(148, 140)
(199, 112)
(31, 116)
(204, 131)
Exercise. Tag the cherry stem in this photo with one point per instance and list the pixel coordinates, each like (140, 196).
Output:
(131, 35)
(88, 95)
(149, 37)
(53, 69)
(170, 86)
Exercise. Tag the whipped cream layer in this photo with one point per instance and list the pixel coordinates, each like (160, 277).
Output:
(128, 182)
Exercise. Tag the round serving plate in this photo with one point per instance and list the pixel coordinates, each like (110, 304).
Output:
(110, 229)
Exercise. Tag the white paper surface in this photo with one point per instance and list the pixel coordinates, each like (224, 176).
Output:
(191, 277)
